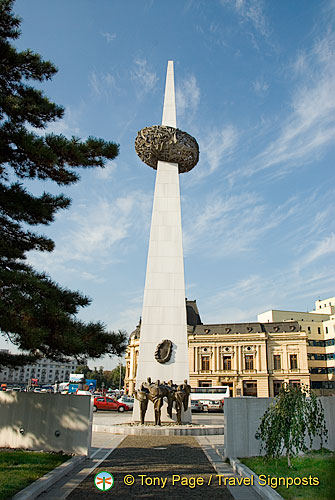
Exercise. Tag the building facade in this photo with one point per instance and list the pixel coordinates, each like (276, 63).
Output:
(253, 359)
(319, 326)
(44, 370)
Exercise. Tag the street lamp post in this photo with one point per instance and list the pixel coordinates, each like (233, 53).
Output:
(120, 376)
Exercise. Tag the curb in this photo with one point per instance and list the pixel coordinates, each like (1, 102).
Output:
(163, 431)
(44, 482)
(265, 492)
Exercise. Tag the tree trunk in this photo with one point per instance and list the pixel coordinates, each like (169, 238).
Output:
(288, 461)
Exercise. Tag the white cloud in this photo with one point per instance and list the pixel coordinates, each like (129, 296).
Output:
(143, 76)
(250, 11)
(188, 97)
(102, 83)
(309, 128)
(244, 299)
(109, 36)
(260, 87)
(232, 224)
(94, 232)
(215, 148)
(68, 125)
(322, 248)
(92, 277)
(106, 172)
(300, 64)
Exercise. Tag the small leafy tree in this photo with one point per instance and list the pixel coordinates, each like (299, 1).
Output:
(295, 413)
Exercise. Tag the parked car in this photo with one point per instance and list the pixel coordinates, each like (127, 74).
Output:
(214, 406)
(128, 400)
(79, 392)
(106, 403)
(196, 405)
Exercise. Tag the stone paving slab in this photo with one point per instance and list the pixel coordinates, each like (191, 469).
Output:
(160, 457)
(213, 449)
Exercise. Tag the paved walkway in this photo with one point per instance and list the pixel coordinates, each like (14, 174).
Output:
(153, 460)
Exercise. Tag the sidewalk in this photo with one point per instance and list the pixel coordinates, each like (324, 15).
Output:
(160, 460)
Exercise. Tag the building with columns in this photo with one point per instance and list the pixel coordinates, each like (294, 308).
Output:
(319, 325)
(253, 359)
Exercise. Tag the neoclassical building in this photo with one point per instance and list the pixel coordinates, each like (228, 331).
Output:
(253, 359)
(319, 326)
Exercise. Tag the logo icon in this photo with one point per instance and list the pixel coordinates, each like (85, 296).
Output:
(104, 481)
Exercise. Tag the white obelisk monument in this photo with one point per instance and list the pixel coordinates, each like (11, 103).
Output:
(164, 308)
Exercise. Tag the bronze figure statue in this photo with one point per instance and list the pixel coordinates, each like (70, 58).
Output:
(142, 395)
(156, 392)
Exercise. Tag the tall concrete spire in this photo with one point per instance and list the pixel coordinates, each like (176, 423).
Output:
(169, 108)
(164, 309)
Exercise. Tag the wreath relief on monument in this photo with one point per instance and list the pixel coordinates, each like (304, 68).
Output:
(163, 351)
(169, 144)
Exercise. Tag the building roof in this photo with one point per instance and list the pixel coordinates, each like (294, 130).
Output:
(236, 328)
(192, 313)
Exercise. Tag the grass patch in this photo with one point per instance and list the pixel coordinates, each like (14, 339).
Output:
(18, 469)
(316, 464)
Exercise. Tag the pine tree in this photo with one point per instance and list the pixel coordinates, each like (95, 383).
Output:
(36, 313)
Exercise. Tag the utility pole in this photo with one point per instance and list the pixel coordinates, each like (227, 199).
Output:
(120, 375)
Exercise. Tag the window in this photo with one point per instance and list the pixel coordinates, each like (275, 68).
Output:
(319, 330)
(326, 329)
(276, 386)
(205, 363)
(277, 362)
(249, 362)
(309, 329)
(293, 361)
(295, 383)
(227, 362)
(250, 388)
(205, 383)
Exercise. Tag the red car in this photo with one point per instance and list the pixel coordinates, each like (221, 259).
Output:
(107, 403)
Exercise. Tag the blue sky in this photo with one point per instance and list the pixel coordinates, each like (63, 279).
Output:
(255, 86)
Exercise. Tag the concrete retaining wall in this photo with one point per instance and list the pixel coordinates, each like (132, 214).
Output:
(242, 418)
(48, 422)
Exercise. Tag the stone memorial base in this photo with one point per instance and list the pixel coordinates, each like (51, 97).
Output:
(160, 430)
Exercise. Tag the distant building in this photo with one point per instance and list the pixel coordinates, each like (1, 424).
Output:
(256, 358)
(319, 325)
(46, 371)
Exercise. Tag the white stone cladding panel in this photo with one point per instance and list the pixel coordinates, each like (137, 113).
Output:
(157, 315)
(165, 233)
(167, 176)
(165, 281)
(165, 248)
(166, 218)
(167, 190)
(165, 298)
(157, 333)
(171, 204)
(165, 371)
(169, 109)
(165, 166)
(168, 265)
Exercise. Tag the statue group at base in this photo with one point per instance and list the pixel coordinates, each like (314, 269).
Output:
(156, 392)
